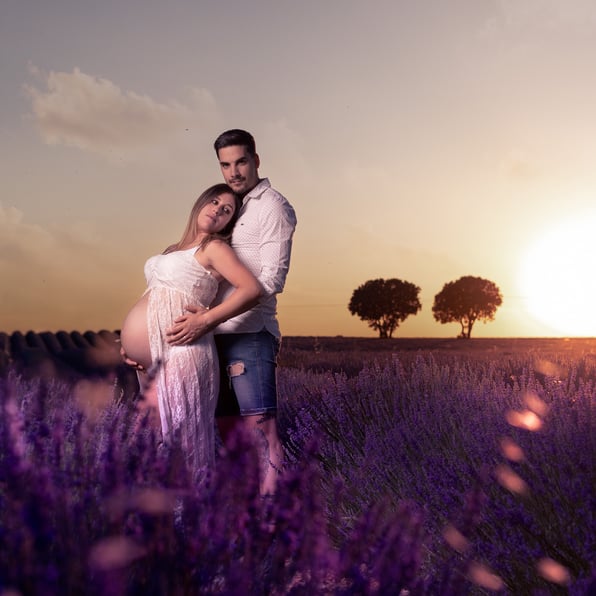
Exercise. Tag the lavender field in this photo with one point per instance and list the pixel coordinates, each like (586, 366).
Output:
(414, 467)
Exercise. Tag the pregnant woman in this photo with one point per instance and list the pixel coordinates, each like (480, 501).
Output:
(189, 273)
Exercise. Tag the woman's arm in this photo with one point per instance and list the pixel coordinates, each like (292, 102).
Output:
(247, 290)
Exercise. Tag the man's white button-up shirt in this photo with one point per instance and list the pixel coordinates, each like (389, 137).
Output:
(262, 239)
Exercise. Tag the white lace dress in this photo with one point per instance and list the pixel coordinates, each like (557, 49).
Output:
(188, 378)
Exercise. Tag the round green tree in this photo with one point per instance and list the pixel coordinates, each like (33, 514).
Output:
(465, 301)
(385, 303)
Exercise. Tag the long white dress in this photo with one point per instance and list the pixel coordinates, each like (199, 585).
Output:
(188, 377)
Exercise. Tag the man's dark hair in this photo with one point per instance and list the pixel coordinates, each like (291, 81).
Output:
(236, 136)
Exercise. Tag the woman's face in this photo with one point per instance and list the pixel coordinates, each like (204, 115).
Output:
(217, 213)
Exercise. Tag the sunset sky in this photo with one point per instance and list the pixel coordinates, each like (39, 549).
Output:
(421, 140)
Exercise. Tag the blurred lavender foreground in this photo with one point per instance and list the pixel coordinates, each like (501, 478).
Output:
(410, 472)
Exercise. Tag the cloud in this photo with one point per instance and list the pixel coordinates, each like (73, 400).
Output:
(547, 14)
(19, 239)
(539, 26)
(92, 113)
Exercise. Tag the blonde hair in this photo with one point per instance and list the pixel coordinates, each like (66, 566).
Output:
(191, 230)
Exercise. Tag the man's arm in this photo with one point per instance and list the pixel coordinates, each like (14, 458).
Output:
(277, 226)
(198, 321)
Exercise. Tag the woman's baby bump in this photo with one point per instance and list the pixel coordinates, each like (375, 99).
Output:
(134, 335)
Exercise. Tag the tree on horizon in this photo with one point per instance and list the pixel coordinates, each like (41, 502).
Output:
(465, 301)
(384, 304)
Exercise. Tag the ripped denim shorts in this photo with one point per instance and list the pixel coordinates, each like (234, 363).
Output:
(248, 381)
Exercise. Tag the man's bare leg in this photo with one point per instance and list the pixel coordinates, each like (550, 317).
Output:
(263, 428)
(226, 425)
(271, 453)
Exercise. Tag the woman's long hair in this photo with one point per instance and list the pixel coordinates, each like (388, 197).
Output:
(191, 230)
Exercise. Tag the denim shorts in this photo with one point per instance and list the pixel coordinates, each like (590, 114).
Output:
(248, 373)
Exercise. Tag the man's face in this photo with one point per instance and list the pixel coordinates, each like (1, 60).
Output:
(239, 168)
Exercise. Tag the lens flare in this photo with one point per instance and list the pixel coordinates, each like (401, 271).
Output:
(455, 539)
(508, 479)
(535, 404)
(511, 450)
(553, 572)
(484, 577)
(526, 419)
(115, 552)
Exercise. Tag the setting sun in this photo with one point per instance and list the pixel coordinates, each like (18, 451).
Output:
(557, 277)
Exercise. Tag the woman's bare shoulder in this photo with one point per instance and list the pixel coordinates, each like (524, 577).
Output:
(217, 249)
(217, 244)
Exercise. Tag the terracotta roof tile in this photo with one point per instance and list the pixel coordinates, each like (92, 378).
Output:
(66, 355)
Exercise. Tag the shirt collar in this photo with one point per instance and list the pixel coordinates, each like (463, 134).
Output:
(258, 190)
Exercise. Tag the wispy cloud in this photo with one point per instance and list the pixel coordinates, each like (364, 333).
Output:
(547, 14)
(95, 114)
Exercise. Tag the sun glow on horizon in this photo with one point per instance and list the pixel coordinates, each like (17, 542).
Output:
(558, 276)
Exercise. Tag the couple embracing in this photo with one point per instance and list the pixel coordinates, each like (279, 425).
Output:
(207, 321)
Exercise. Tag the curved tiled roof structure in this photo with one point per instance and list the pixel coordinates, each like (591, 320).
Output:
(64, 355)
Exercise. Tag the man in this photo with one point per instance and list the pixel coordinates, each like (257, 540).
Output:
(248, 344)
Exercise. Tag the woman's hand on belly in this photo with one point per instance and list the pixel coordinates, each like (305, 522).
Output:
(133, 363)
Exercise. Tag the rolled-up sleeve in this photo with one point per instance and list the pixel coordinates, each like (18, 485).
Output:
(277, 224)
